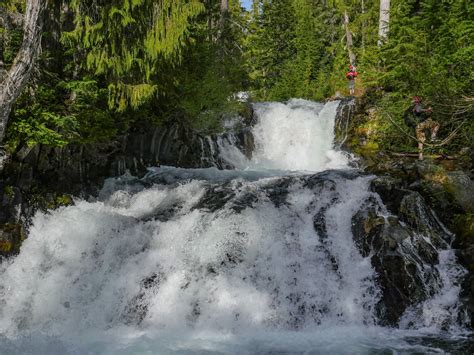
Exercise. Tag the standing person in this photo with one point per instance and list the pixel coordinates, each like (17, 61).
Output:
(351, 75)
(420, 117)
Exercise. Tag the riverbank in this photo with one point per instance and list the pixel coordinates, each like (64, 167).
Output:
(446, 184)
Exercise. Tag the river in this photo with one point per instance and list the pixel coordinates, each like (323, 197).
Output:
(259, 259)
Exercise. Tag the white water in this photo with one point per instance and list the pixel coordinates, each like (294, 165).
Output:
(298, 135)
(157, 270)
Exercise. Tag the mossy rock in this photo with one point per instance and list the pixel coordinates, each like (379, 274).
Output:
(11, 237)
(9, 192)
(60, 200)
(451, 193)
(464, 225)
(49, 201)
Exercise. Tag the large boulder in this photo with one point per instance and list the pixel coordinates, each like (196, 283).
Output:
(403, 247)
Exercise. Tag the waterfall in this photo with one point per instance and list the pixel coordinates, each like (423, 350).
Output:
(297, 135)
(259, 259)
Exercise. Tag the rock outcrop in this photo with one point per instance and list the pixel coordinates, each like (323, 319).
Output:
(404, 247)
(446, 185)
(44, 177)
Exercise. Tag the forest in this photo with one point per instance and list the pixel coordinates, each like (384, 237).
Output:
(88, 70)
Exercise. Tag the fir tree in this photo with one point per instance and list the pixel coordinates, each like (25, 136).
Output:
(127, 41)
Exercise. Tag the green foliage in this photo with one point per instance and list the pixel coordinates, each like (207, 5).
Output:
(394, 137)
(429, 53)
(11, 34)
(127, 40)
(96, 83)
(62, 112)
(295, 49)
(115, 56)
(212, 70)
(271, 44)
(35, 122)
(87, 103)
(11, 42)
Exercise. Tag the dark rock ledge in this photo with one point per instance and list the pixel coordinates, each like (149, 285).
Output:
(45, 177)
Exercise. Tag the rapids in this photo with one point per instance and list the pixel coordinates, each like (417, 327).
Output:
(258, 259)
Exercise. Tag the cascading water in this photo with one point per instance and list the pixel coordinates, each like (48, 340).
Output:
(296, 136)
(260, 259)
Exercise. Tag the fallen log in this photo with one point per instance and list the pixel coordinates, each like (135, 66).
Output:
(427, 156)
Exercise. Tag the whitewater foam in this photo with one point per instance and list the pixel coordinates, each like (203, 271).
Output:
(293, 136)
(208, 261)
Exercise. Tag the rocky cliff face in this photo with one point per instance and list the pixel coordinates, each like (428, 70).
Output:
(79, 168)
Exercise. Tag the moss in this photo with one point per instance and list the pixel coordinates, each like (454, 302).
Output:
(372, 222)
(39, 198)
(5, 246)
(464, 224)
(56, 201)
(63, 200)
(9, 192)
(437, 175)
(11, 237)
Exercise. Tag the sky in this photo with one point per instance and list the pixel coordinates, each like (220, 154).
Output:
(246, 3)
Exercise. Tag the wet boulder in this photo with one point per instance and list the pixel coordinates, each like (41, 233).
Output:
(402, 254)
(11, 229)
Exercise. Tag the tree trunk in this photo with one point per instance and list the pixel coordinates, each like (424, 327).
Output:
(384, 21)
(224, 14)
(364, 26)
(17, 77)
(209, 20)
(429, 156)
(352, 58)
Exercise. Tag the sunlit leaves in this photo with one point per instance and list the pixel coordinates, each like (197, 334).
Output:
(127, 41)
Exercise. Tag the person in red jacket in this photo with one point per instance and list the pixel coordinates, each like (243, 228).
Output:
(351, 75)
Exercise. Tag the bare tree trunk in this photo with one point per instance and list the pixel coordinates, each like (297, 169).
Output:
(224, 13)
(17, 77)
(224, 6)
(384, 21)
(352, 57)
(222, 27)
(209, 20)
(364, 26)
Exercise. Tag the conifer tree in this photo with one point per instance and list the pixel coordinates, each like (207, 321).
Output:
(129, 41)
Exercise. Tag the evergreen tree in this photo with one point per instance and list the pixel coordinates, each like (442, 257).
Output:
(212, 69)
(130, 41)
(272, 43)
(192, 56)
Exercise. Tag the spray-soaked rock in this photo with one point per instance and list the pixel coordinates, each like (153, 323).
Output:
(404, 247)
(403, 260)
